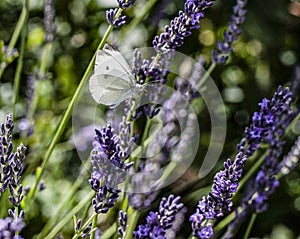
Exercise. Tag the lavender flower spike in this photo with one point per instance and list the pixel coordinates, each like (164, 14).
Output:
(181, 26)
(218, 200)
(267, 125)
(231, 35)
(158, 222)
(113, 20)
(109, 157)
(280, 115)
(6, 154)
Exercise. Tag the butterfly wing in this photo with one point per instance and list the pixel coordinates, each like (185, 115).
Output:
(111, 62)
(112, 81)
(109, 90)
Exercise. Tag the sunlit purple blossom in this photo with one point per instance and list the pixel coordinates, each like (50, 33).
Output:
(182, 25)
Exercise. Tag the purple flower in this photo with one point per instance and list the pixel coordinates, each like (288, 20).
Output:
(218, 201)
(122, 224)
(10, 227)
(109, 157)
(84, 232)
(11, 164)
(267, 125)
(125, 4)
(146, 71)
(113, 20)
(266, 181)
(105, 199)
(182, 25)
(159, 222)
(6, 154)
(278, 114)
(220, 55)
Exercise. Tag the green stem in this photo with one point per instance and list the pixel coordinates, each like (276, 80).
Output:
(94, 226)
(110, 231)
(67, 114)
(224, 222)
(132, 221)
(292, 124)
(69, 216)
(206, 75)
(45, 58)
(250, 226)
(20, 25)
(146, 129)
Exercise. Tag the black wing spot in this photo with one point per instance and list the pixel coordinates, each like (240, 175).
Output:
(107, 68)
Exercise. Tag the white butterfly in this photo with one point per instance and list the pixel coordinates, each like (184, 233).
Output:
(113, 80)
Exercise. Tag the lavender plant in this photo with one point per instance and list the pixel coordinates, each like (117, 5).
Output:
(11, 169)
(136, 157)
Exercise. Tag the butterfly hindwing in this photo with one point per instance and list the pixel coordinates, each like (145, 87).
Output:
(109, 90)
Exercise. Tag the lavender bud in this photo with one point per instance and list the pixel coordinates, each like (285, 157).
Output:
(113, 20)
(125, 4)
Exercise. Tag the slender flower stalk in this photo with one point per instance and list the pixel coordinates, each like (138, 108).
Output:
(220, 56)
